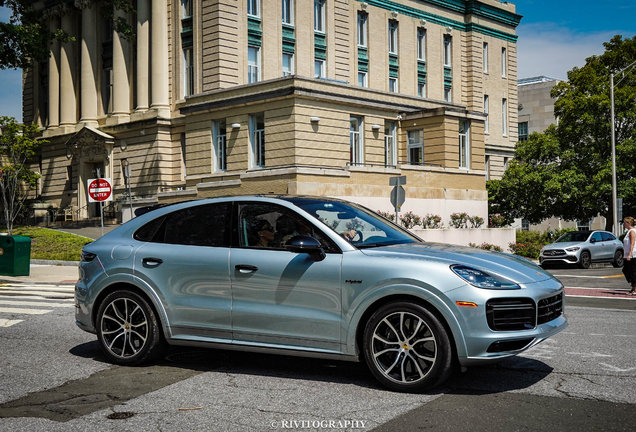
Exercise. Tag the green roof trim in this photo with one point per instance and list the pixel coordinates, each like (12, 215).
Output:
(466, 7)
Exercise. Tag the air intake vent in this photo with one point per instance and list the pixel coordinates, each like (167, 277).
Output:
(510, 314)
(550, 308)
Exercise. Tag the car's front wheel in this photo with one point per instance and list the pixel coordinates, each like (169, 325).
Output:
(407, 348)
(128, 329)
(618, 259)
(585, 260)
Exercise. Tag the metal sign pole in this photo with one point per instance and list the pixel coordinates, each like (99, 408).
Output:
(101, 212)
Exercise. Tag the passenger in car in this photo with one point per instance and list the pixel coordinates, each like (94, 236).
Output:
(264, 233)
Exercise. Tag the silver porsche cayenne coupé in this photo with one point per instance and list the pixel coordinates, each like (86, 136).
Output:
(309, 276)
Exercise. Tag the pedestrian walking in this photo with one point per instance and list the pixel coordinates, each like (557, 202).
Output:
(629, 252)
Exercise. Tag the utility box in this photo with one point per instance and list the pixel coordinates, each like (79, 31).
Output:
(15, 255)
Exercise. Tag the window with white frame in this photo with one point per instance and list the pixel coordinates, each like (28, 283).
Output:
(421, 44)
(504, 116)
(464, 144)
(485, 57)
(393, 85)
(363, 17)
(288, 12)
(448, 94)
(186, 8)
(486, 109)
(362, 79)
(253, 64)
(257, 140)
(356, 155)
(253, 8)
(219, 148)
(448, 40)
(523, 131)
(319, 68)
(525, 225)
(503, 62)
(288, 64)
(421, 89)
(393, 37)
(487, 163)
(390, 149)
(319, 16)
(415, 147)
(188, 71)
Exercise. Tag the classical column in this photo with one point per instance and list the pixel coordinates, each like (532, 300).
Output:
(68, 103)
(88, 77)
(121, 65)
(54, 76)
(159, 52)
(143, 54)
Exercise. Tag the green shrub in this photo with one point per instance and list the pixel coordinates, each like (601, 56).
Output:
(409, 220)
(486, 246)
(432, 221)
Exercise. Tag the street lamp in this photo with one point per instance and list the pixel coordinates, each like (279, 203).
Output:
(623, 71)
(126, 170)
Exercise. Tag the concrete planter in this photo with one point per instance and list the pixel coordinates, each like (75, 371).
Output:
(501, 237)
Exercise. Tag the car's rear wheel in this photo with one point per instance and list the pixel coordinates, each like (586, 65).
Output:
(585, 260)
(407, 348)
(618, 259)
(128, 329)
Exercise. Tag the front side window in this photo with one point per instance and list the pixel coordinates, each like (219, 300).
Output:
(362, 79)
(355, 141)
(219, 140)
(464, 144)
(504, 116)
(362, 28)
(288, 12)
(253, 64)
(319, 16)
(257, 138)
(188, 72)
(393, 85)
(253, 8)
(319, 68)
(447, 50)
(393, 37)
(523, 131)
(288, 64)
(421, 44)
(415, 147)
(390, 144)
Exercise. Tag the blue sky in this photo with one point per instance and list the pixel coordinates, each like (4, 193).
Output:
(554, 36)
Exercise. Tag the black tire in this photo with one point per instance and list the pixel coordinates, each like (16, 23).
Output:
(128, 329)
(423, 364)
(618, 259)
(585, 260)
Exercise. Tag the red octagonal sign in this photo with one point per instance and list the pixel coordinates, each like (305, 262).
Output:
(100, 190)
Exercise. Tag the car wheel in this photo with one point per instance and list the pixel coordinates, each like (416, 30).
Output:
(407, 348)
(585, 260)
(128, 329)
(618, 259)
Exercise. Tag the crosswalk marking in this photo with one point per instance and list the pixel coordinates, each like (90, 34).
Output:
(25, 311)
(40, 293)
(33, 303)
(64, 288)
(8, 322)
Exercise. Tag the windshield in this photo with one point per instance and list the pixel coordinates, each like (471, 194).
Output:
(573, 236)
(358, 225)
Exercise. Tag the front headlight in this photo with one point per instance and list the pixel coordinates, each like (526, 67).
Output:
(482, 279)
(572, 249)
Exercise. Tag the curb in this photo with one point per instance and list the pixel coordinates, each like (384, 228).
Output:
(55, 263)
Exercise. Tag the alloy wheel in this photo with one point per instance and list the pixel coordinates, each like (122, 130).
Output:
(124, 328)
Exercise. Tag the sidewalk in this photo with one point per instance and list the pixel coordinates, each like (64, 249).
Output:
(47, 272)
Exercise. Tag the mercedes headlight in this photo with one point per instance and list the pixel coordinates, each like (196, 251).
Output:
(482, 279)
(572, 249)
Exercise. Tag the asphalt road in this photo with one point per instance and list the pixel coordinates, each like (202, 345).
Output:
(54, 378)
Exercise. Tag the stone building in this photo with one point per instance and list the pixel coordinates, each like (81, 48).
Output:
(320, 97)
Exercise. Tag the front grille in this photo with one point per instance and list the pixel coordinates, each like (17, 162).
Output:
(550, 308)
(554, 252)
(510, 314)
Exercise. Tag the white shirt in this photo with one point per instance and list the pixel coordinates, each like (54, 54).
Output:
(627, 245)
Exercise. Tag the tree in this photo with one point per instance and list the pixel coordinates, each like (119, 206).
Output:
(566, 171)
(17, 146)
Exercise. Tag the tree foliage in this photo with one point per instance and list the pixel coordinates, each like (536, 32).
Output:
(566, 171)
(17, 146)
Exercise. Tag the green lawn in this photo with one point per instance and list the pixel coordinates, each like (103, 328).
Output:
(47, 244)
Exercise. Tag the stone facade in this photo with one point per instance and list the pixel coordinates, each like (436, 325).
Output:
(223, 97)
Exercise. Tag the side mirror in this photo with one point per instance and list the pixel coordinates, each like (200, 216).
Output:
(306, 244)
(592, 241)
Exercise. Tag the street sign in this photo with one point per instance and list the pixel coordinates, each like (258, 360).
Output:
(100, 190)
(396, 181)
(397, 197)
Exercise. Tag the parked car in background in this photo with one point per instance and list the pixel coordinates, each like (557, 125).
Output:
(309, 276)
(583, 248)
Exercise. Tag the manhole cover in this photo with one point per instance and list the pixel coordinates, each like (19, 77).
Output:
(120, 415)
(195, 357)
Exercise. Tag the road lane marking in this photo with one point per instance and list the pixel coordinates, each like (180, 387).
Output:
(8, 322)
(65, 288)
(40, 293)
(25, 311)
(33, 303)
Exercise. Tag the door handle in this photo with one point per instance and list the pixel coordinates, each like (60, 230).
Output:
(246, 268)
(152, 262)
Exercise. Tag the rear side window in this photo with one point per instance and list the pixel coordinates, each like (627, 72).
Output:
(203, 225)
(147, 232)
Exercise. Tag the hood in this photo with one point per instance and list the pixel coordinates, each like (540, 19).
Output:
(562, 245)
(514, 268)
